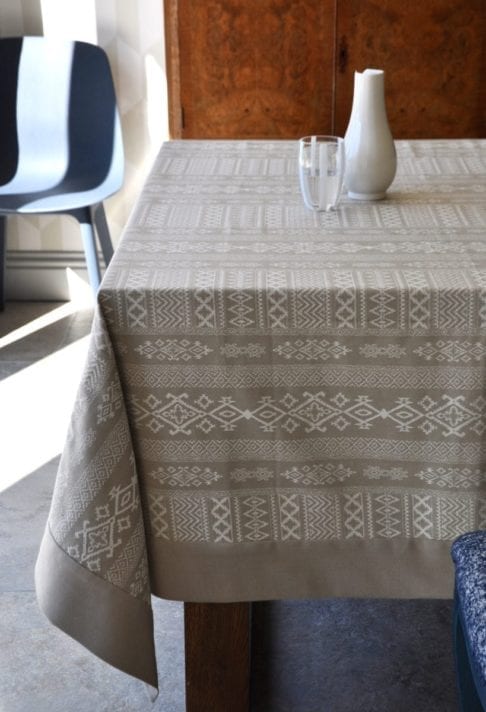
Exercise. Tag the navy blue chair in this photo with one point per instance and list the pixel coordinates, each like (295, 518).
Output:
(61, 147)
(469, 556)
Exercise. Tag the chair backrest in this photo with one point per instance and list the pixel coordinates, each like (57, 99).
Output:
(59, 123)
(469, 556)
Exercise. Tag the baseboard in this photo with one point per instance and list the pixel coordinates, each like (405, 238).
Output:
(44, 275)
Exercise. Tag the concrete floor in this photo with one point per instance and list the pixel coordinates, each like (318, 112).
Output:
(325, 656)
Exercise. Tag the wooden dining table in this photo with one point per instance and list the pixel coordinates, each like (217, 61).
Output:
(277, 404)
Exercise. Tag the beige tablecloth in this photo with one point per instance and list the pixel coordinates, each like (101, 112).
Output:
(277, 403)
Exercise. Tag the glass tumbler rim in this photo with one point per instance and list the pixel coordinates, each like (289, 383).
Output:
(321, 137)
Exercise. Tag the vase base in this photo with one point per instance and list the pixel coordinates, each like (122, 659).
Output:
(366, 196)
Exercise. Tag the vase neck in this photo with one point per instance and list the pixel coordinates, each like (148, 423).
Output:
(369, 91)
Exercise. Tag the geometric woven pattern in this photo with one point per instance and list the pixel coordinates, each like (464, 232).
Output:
(277, 403)
(335, 361)
(313, 515)
(312, 412)
(265, 376)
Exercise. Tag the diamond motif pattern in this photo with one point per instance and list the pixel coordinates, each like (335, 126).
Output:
(279, 382)
(315, 412)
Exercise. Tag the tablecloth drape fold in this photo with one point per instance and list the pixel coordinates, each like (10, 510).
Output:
(277, 403)
(92, 576)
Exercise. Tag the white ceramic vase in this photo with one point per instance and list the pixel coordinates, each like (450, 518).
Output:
(371, 160)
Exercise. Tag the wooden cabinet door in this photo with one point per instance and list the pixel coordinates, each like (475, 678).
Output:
(285, 68)
(433, 53)
(250, 68)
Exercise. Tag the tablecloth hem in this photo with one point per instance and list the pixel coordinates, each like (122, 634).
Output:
(109, 622)
(392, 568)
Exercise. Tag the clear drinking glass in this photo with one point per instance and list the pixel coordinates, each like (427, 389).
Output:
(321, 171)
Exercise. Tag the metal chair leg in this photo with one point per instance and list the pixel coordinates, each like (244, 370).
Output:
(99, 218)
(3, 252)
(91, 254)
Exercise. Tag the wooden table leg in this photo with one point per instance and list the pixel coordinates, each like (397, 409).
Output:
(217, 648)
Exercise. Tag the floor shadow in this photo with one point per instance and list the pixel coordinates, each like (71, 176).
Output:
(353, 655)
(43, 340)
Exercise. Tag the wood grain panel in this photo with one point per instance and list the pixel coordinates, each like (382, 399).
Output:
(433, 53)
(256, 68)
(172, 61)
